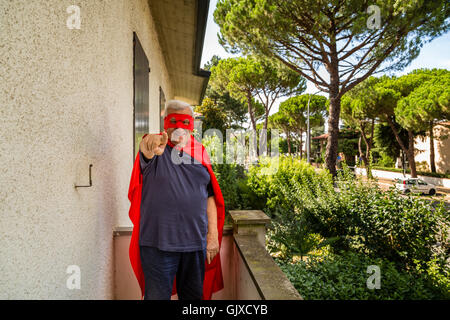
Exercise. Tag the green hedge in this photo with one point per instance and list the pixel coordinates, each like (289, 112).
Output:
(351, 223)
(344, 277)
(360, 225)
(348, 214)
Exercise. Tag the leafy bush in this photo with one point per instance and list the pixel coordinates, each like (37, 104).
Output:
(349, 214)
(289, 235)
(232, 178)
(358, 220)
(226, 175)
(368, 220)
(345, 277)
(385, 160)
(272, 175)
(438, 270)
(421, 166)
(273, 181)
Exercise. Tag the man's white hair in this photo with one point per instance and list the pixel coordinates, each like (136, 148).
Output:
(176, 105)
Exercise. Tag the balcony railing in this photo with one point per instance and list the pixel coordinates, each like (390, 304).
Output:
(249, 272)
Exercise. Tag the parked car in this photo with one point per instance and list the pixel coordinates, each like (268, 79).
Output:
(415, 185)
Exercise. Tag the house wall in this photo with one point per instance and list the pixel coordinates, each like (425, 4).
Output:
(66, 98)
(441, 149)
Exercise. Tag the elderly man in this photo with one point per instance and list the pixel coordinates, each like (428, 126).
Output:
(178, 220)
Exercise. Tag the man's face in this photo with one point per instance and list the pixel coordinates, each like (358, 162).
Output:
(179, 140)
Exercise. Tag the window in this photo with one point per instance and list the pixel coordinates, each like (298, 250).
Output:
(162, 103)
(141, 96)
(421, 182)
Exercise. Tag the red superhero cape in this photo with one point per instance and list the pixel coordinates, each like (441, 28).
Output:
(213, 280)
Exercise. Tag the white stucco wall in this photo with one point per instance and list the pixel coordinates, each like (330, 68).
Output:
(66, 101)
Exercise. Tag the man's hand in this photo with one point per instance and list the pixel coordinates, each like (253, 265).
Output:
(212, 237)
(153, 144)
(212, 246)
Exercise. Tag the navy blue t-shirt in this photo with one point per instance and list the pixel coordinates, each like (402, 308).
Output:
(173, 204)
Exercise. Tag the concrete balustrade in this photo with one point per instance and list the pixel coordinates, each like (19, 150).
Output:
(249, 272)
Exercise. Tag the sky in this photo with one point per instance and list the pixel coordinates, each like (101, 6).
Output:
(435, 54)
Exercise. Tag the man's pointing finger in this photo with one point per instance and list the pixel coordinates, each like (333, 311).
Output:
(165, 138)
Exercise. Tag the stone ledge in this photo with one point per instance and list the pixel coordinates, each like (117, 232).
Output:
(227, 230)
(253, 217)
(269, 279)
(122, 231)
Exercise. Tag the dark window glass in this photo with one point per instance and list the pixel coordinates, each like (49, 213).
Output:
(162, 103)
(141, 95)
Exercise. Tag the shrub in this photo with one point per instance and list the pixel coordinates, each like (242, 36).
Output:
(231, 177)
(226, 175)
(236, 192)
(368, 220)
(248, 199)
(421, 166)
(385, 160)
(289, 235)
(351, 214)
(274, 182)
(272, 175)
(309, 209)
(345, 277)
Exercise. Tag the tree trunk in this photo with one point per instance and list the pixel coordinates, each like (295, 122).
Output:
(333, 134)
(250, 109)
(335, 110)
(371, 134)
(366, 156)
(408, 151)
(411, 160)
(301, 144)
(288, 138)
(266, 119)
(432, 157)
(359, 147)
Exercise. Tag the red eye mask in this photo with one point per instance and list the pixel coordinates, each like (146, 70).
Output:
(179, 121)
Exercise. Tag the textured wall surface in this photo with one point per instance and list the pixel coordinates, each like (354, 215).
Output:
(66, 101)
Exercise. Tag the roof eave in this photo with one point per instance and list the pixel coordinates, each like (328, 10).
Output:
(202, 18)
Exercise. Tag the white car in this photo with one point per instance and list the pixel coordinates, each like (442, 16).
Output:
(415, 185)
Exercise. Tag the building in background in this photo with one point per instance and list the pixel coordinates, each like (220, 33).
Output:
(441, 134)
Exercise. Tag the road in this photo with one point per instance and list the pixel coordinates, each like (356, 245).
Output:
(441, 193)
